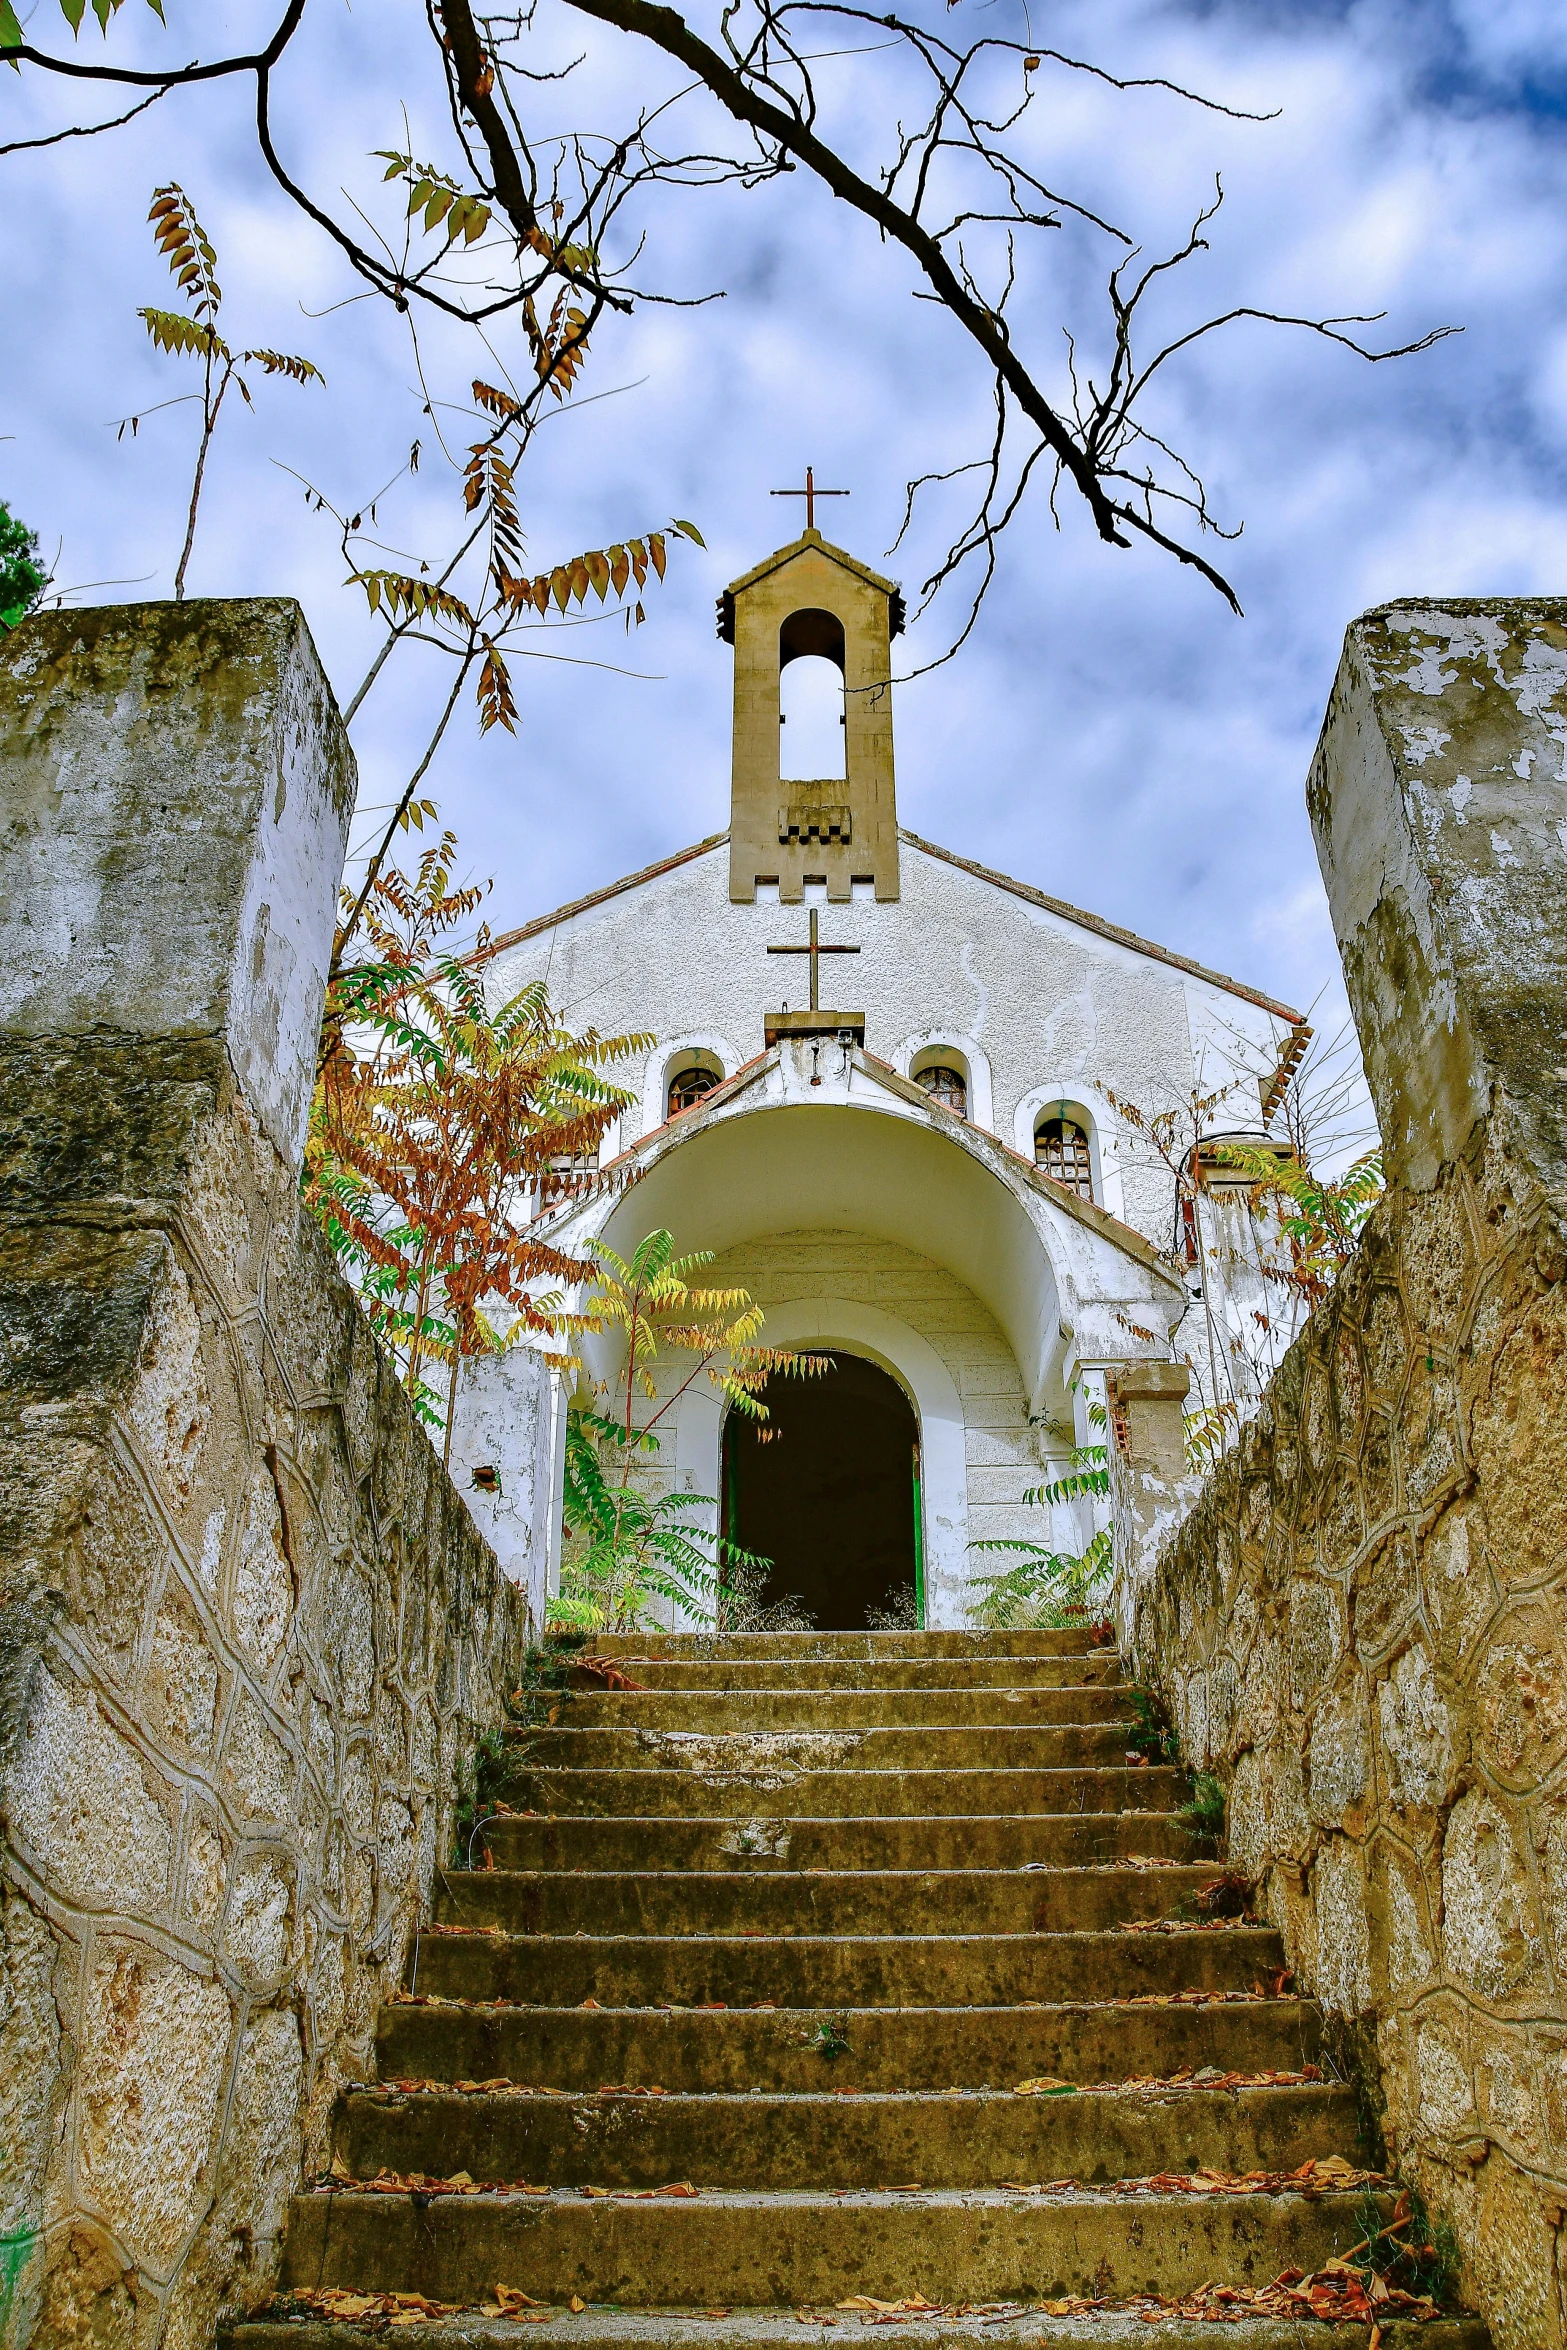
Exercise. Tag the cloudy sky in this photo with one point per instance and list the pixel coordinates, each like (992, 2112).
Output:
(1110, 732)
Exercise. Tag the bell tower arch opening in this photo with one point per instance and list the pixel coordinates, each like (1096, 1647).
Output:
(814, 748)
(827, 1487)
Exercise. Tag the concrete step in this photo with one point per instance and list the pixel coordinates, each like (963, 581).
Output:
(727, 1752)
(604, 2328)
(893, 1901)
(825, 2139)
(833, 1897)
(1061, 1839)
(840, 1970)
(1099, 1669)
(761, 2250)
(877, 1648)
(777, 1786)
(888, 2048)
(1002, 1706)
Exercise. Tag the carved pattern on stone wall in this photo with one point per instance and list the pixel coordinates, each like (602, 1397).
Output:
(276, 1635)
(1360, 1627)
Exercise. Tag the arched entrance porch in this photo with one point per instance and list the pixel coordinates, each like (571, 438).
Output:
(827, 1487)
(830, 1325)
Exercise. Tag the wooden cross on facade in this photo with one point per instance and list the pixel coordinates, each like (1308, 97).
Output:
(810, 494)
(815, 949)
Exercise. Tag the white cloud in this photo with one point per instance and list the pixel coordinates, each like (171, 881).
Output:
(1110, 730)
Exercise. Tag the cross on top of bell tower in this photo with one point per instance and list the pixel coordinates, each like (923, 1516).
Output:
(810, 494)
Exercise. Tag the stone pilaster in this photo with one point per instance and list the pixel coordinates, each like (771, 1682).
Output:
(1150, 1487)
(1359, 1626)
(247, 1630)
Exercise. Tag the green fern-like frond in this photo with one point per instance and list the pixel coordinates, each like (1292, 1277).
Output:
(1088, 1477)
(1042, 1587)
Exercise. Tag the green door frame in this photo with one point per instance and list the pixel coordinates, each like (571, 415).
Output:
(919, 1540)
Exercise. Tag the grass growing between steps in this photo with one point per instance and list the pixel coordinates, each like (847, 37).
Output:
(1203, 1818)
(1151, 1735)
(831, 2038)
(478, 1797)
(542, 1694)
(1407, 2252)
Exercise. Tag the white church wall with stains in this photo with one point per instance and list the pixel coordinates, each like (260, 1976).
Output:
(1045, 1008)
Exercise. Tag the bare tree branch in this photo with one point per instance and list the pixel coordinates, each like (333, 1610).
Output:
(542, 226)
(83, 130)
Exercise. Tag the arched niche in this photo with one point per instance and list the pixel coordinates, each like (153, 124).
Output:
(941, 1045)
(1086, 1107)
(699, 1049)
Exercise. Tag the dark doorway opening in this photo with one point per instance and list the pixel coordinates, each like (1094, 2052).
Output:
(831, 1497)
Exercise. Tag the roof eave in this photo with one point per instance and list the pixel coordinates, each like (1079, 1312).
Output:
(808, 541)
(598, 897)
(1104, 929)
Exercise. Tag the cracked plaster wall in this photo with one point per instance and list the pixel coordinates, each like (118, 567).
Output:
(247, 1628)
(1359, 1624)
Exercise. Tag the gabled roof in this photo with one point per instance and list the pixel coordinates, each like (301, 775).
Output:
(974, 1139)
(807, 540)
(1104, 929)
(1017, 889)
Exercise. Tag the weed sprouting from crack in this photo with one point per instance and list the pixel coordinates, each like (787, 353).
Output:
(1203, 1817)
(830, 2038)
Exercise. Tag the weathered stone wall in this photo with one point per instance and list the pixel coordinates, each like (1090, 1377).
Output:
(247, 1629)
(1359, 1625)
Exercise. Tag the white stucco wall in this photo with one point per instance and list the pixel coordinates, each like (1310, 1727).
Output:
(1040, 1006)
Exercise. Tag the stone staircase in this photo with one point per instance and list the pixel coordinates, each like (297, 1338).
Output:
(768, 1947)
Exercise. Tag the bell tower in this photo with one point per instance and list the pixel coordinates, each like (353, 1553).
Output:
(811, 597)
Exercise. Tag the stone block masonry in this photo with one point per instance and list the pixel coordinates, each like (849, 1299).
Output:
(1360, 1623)
(247, 1628)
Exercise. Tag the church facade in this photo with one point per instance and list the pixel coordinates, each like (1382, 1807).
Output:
(887, 1093)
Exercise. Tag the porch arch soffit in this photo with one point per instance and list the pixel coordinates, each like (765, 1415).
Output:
(751, 1171)
(766, 1161)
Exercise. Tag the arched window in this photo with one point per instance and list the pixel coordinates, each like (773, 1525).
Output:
(688, 1086)
(946, 1085)
(1061, 1150)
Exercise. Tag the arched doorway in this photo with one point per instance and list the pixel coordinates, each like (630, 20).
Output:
(827, 1488)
